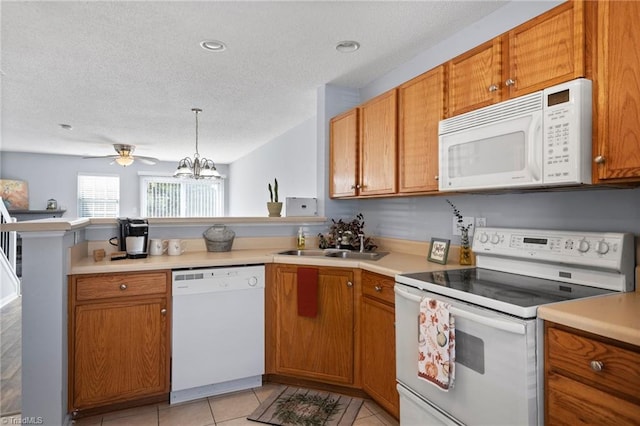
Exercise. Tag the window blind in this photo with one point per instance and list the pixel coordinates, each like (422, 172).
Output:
(98, 195)
(171, 197)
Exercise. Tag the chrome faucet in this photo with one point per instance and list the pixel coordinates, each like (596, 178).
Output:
(361, 242)
(338, 240)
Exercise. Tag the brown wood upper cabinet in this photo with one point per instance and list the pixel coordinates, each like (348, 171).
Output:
(343, 157)
(421, 104)
(615, 37)
(363, 149)
(378, 145)
(542, 52)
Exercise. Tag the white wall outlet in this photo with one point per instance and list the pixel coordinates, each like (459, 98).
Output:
(481, 222)
(466, 220)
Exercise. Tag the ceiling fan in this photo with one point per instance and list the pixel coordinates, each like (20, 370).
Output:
(125, 156)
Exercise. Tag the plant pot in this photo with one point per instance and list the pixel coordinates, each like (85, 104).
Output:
(274, 209)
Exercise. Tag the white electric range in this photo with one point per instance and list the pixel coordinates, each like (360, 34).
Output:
(499, 353)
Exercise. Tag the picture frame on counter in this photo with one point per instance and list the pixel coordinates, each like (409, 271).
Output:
(438, 250)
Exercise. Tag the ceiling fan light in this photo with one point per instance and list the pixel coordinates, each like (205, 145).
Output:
(124, 161)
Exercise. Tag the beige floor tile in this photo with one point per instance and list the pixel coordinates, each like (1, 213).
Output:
(191, 414)
(240, 421)
(369, 421)
(233, 406)
(387, 419)
(263, 392)
(364, 412)
(135, 411)
(148, 418)
(372, 406)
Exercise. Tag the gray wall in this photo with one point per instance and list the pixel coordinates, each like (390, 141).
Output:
(55, 176)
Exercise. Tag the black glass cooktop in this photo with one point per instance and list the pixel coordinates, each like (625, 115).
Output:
(514, 289)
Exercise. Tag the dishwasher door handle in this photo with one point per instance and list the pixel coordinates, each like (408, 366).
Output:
(497, 323)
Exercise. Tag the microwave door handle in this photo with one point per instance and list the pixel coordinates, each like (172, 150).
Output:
(535, 146)
(500, 324)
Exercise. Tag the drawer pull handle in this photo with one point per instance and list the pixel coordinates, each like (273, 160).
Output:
(123, 287)
(163, 311)
(349, 284)
(378, 288)
(597, 365)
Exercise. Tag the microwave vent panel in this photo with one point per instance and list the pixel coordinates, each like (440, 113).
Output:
(494, 113)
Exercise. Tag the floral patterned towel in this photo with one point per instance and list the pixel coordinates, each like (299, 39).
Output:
(436, 343)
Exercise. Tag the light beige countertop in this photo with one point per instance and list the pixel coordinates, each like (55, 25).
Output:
(616, 316)
(390, 265)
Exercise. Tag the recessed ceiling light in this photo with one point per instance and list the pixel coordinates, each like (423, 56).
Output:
(213, 45)
(347, 46)
(65, 126)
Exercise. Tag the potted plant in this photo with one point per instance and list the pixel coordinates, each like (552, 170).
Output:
(274, 206)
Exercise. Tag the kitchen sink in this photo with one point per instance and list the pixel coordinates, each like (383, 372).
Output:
(303, 252)
(342, 254)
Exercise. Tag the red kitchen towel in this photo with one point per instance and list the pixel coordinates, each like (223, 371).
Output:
(307, 292)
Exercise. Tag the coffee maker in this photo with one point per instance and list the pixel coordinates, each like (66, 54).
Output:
(133, 237)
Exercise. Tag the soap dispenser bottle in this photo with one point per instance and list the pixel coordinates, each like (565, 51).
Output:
(300, 239)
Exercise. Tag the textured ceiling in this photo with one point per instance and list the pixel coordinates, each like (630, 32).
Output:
(130, 72)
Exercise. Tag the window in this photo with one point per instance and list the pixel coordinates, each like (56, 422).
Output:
(171, 197)
(98, 195)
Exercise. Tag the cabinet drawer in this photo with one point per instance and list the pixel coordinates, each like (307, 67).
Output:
(108, 286)
(574, 354)
(378, 286)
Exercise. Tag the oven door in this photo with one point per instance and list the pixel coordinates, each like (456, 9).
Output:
(495, 376)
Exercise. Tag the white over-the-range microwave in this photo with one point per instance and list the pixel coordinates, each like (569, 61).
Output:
(537, 140)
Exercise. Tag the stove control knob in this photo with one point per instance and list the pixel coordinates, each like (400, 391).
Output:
(583, 246)
(495, 238)
(253, 281)
(602, 247)
(483, 238)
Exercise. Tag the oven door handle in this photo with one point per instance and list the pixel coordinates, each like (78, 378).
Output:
(500, 324)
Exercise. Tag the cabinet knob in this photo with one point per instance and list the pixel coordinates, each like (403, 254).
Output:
(436, 177)
(597, 365)
(378, 288)
(493, 88)
(599, 159)
(123, 287)
(510, 82)
(356, 186)
(349, 284)
(163, 311)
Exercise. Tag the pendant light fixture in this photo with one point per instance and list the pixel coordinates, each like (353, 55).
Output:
(198, 168)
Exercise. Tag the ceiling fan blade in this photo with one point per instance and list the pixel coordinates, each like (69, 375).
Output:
(101, 156)
(147, 160)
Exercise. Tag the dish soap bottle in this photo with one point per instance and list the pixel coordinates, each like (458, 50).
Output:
(300, 239)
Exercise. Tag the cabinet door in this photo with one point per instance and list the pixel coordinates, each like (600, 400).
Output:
(378, 354)
(120, 352)
(378, 145)
(546, 50)
(343, 155)
(420, 109)
(474, 78)
(321, 347)
(617, 106)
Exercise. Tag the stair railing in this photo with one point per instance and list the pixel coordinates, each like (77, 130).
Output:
(8, 239)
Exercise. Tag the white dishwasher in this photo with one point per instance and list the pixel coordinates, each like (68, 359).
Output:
(217, 331)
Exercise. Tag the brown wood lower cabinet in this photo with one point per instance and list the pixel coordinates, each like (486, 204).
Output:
(319, 348)
(590, 379)
(119, 342)
(379, 341)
